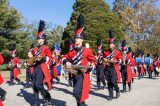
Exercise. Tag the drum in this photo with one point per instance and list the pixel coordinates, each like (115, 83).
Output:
(158, 69)
(147, 60)
(139, 60)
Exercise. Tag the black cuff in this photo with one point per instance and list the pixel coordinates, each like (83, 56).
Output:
(126, 61)
(65, 61)
(43, 59)
(89, 70)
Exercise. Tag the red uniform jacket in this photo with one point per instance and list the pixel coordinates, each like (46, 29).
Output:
(1, 62)
(133, 62)
(55, 70)
(117, 56)
(158, 64)
(152, 67)
(16, 71)
(1, 104)
(1, 59)
(87, 57)
(129, 69)
(45, 52)
(142, 68)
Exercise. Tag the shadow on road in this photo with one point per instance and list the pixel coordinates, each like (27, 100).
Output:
(153, 78)
(61, 83)
(28, 97)
(98, 94)
(63, 90)
(55, 102)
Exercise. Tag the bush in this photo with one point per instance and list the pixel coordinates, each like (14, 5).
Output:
(3, 67)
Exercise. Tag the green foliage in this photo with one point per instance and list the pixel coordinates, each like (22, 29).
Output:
(55, 35)
(98, 20)
(12, 32)
(3, 67)
(140, 23)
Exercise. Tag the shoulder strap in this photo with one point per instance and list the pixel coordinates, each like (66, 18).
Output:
(39, 51)
(111, 55)
(78, 57)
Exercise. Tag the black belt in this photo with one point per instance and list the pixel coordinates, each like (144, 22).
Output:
(79, 72)
(99, 63)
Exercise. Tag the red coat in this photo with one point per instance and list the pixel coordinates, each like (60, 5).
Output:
(152, 67)
(142, 68)
(45, 66)
(1, 62)
(1, 104)
(129, 69)
(158, 63)
(16, 71)
(1, 59)
(117, 56)
(133, 62)
(55, 70)
(87, 57)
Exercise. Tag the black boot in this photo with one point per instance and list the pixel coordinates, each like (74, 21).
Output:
(27, 85)
(110, 98)
(83, 104)
(3, 95)
(58, 80)
(139, 76)
(18, 80)
(47, 102)
(104, 85)
(36, 104)
(70, 83)
(98, 86)
(130, 88)
(117, 94)
(124, 89)
(132, 80)
(11, 83)
(47, 99)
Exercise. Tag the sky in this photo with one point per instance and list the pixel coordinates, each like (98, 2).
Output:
(55, 11)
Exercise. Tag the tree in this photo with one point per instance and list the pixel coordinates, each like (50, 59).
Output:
(55, 35)
(12, 31)
(139, 19)
(98, 20)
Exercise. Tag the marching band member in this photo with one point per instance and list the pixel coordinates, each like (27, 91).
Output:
(2, 91)
(112, 57)
(41, 74)
(29, 68)
(100, 65)
(72, 46)
(147, 62)
(80, 56)
(14, 65)
(54, 71)
(126, 67)
(155, 60)
(139, 63)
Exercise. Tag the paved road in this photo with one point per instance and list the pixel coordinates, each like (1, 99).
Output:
(145, 92)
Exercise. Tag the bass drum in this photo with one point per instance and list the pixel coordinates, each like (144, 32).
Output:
(158, 69)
